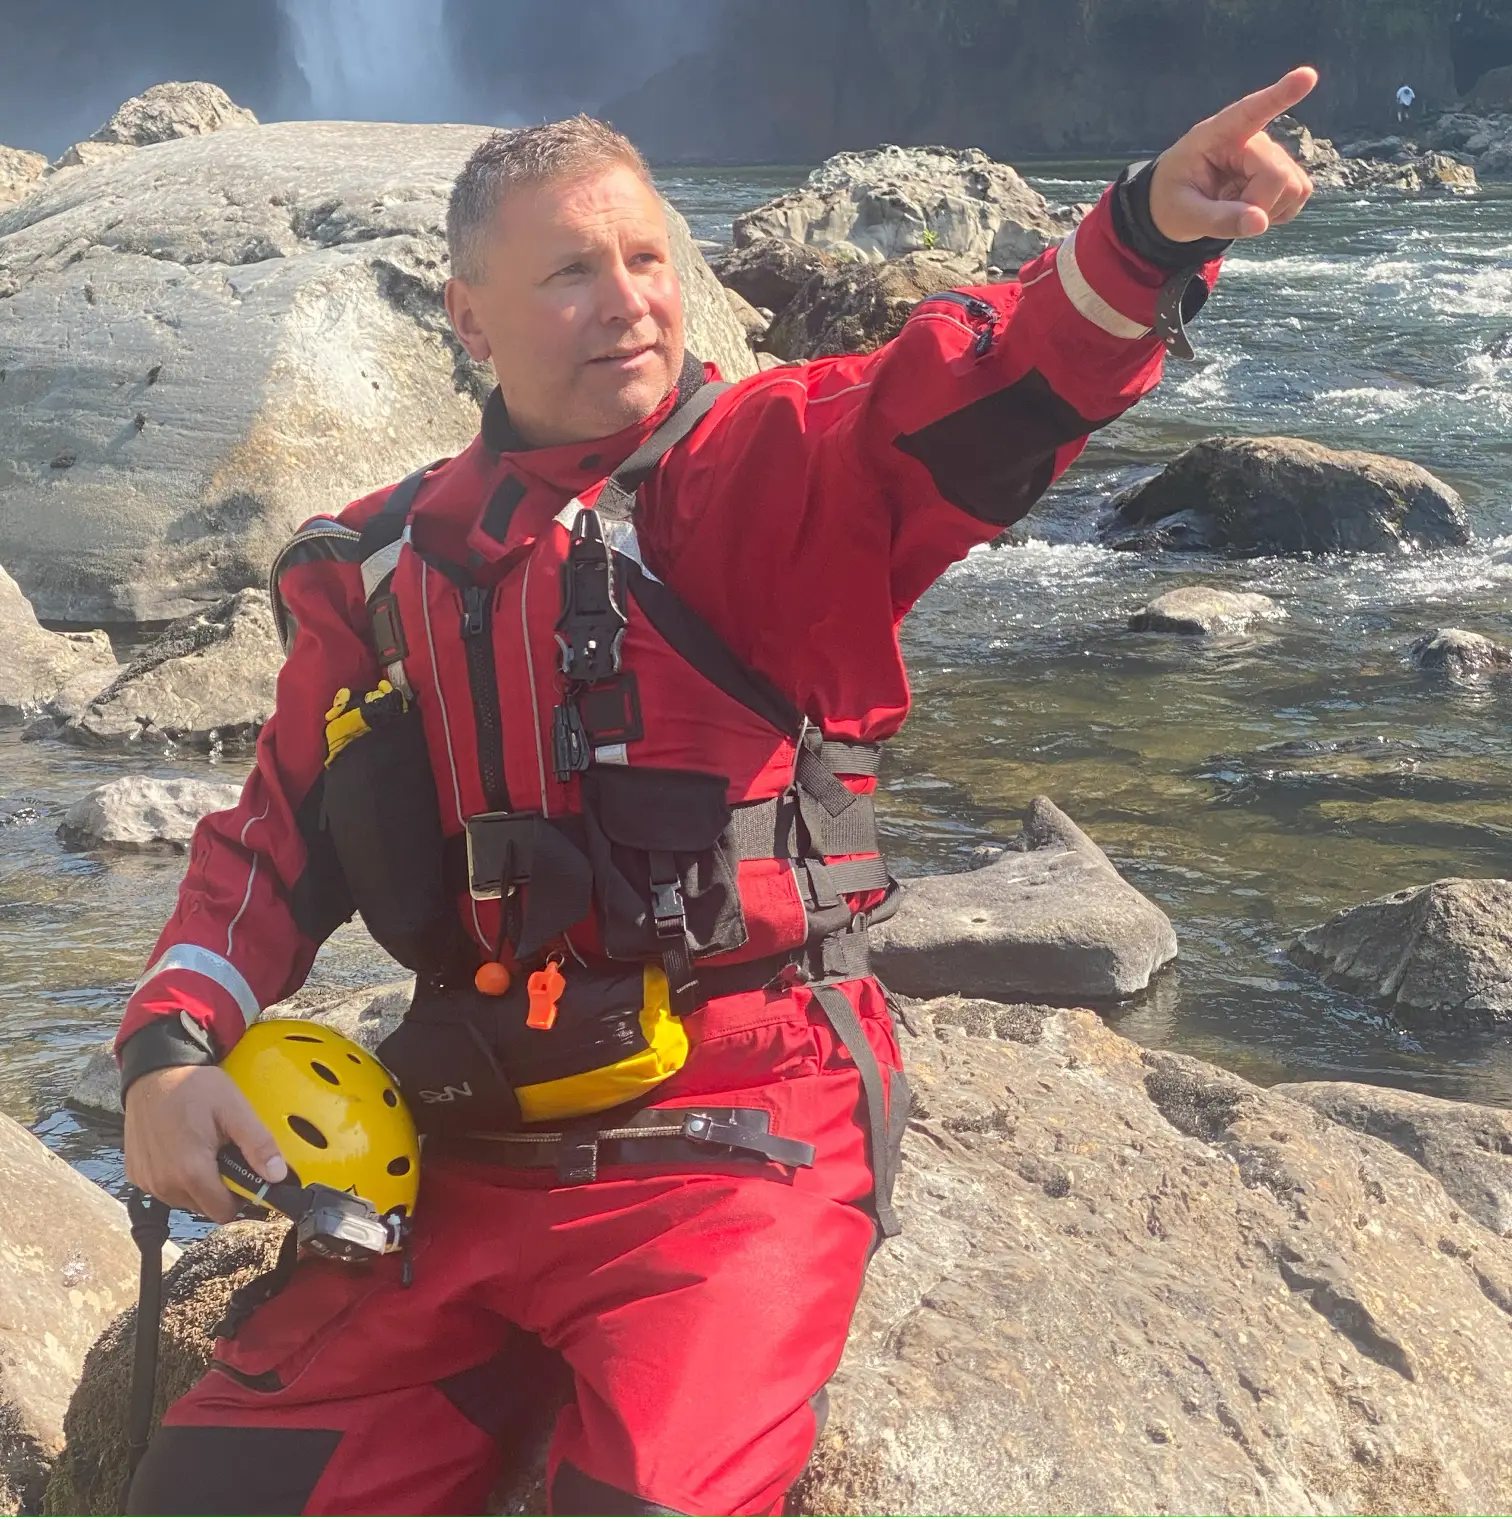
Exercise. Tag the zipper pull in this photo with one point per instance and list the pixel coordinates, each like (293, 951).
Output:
(475, 600)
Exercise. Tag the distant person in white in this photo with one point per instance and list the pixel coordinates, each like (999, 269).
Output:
(1405, 96)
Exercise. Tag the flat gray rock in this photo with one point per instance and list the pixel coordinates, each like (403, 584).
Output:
(211, 339)
(36, 664)
(1282, 495)
(1205, 611)
(135, 813)
(1052, 920)
(1437, 955)
(1465, 1147)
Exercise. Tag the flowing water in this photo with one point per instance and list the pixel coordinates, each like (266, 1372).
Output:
(1367, 324)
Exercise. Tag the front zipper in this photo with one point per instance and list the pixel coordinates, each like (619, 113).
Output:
(482, 676)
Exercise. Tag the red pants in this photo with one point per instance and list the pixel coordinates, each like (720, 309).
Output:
(700, 1311)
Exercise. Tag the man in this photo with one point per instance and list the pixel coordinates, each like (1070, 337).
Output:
(742, 638)
(1405, 98)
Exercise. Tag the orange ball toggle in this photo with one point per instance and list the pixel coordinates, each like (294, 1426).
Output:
(492, 979)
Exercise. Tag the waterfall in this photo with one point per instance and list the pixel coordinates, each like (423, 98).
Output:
(375, 60)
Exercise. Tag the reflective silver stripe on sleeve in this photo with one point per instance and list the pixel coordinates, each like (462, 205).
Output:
(378, 567)
(199, 960)
(1088, 301)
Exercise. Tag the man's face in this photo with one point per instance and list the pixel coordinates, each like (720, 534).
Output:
(579, 309)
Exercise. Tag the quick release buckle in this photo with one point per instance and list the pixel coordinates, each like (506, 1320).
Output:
(667, 908)
(591, 629)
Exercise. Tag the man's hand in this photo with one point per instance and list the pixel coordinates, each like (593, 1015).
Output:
(1226, 177)
(177, 1120)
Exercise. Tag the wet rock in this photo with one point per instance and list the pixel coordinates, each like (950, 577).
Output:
(136, 813)
(1388, 164)
(1205, 611)
(1460, 654)
(208, 681)
(771, 271)
(860, 305)
(35, 663)
(67, 1267)
(19, 173)
(1466, 1148)
(224, 335)
(1051, 920)
(1281, 495)
(894, 201)
(1437, 955)
(90, 1473)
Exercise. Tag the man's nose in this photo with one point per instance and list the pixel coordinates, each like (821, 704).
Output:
(623, 298)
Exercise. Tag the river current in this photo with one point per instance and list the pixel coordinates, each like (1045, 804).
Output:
(1369, 323)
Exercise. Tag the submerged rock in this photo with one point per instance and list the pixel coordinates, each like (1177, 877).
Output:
(1281, 495)
(894, 200)
(19, 173)
(208, 340)
(1437, 955)
(860, 306)
(1460, 654)
(208, 681)
(67, 1267)
(1052, 919)
(135, 813)
(35, 663)
(1205, 611)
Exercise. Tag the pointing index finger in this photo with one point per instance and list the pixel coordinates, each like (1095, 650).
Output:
(1254, 113)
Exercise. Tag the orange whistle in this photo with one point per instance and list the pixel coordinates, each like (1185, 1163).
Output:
(545, 989)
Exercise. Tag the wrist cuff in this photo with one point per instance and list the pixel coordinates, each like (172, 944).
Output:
(1136, 229)
(164, 1043)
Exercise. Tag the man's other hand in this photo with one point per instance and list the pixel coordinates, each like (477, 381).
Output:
(177, 1120)
(1226, 177)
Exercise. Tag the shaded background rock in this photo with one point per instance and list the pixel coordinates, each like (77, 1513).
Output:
(136, 812)
(770, 272)
(35, 663)
(1204, 611)
(1052, 920)
(208, 680)
(67, 1267)
(1461, 654)
(1438, 955)
(1283, 495)
(210, 339)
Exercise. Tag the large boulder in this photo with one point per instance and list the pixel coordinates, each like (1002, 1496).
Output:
(1492, 91)
(1127, 1282)
(19, 173)
(1467, 1148)
(35, 663)
(136, 812)
(1205, 611)
(1282, 495)
(859, 306)
(208, 340)
(1459, 654)
(769, 273)
(171, 110)
(1437, 955)
(67, 1267)
(208, 681)
(1050, 920)
(895, 200)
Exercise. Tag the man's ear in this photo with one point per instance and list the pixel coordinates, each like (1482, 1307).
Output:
(465, 323)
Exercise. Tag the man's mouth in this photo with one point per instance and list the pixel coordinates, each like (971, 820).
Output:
(625, 356)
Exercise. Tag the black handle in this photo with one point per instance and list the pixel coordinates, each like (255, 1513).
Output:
(149, 1231)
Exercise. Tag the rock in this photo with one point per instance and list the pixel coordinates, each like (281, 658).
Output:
(1466, 1148)
(1205, 611)
(90, 1473)
(19, 173)
(752, 322)
(771, 271)
(207, 682)
(167, 111)
(209, 340)
(1051, 920)
(1317, 155)
(898, 200)
(136, 813)
(1458, 653)
(765, 361)
(1388, 164)
(1437, 955)
(1492, 91)
(1281, 495)
(67, 1267)
(860, 306)
(35, 663)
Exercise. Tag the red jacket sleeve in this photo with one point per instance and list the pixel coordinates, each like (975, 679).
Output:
(260, 893)
(821, 500)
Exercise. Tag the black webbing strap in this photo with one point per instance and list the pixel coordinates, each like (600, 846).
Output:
(847, 877)
(386, 525)
(851, 758)
(842, 1017)
(765, 829)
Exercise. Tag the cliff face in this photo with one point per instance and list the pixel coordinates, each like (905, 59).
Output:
(784, 80)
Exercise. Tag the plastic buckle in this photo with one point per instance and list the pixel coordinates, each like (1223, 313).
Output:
(667, 908)
(577, 1158)
(591, 628)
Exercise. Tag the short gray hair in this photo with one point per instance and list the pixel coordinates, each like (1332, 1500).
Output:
(530, 155)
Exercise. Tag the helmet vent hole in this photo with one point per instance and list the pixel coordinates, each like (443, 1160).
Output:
(309, 1132)
(328, 1075)
(390, 1098)
(353, 1057)
(299, 1037)
(399, 1166)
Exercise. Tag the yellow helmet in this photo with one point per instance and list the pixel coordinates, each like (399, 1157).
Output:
(336, 1114)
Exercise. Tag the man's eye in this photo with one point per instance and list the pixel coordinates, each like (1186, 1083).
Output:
(571, 268)
(642, 259)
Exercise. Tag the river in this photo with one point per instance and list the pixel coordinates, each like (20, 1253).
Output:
(1364, 324)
